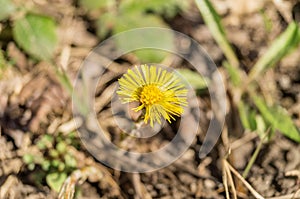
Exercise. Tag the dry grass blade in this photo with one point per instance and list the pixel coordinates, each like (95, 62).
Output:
(141, 192)
(295, 173)
(4, 188)
(248, 136)
(250, 188)
(231, 183)
(77, 177)
(227, 177)
(68, 189)
(224, 176)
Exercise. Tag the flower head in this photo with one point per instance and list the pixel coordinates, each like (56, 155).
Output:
(160, 93)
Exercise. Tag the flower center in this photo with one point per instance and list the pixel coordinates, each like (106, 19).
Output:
(150, 95)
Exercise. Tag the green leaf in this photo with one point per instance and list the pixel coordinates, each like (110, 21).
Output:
(61, 166)
(168, 8)
(151, 55)
(193, 78)
(93, 5)
(31, 166)
(45, 142)
(261, 126)
(158, 39)
(278, 118)
(213, 21)
(6, 8)
(105, 24)
(70, 161)
(3, 65)
(36, 35)
(131, 6)
(53, 153)
(283, 45)
(2, 61)
(61, 147)
(267, 21)
(56, 180)
(55, 163)
(234, 74)
(46, 165)
(130, 15)
(246, 116)
(28, 158)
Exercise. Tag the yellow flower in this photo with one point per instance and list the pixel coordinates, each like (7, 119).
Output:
(160, 93)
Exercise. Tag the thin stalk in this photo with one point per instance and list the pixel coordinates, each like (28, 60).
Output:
(249, 187)
(254, 156)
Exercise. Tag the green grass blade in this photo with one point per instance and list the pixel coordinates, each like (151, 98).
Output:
(283, 45)
(212, 20)
(244, 115)
(234, 73)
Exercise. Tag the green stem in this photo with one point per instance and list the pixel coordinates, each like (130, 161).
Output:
(254, 156)
(67, 85)
(64, 80)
